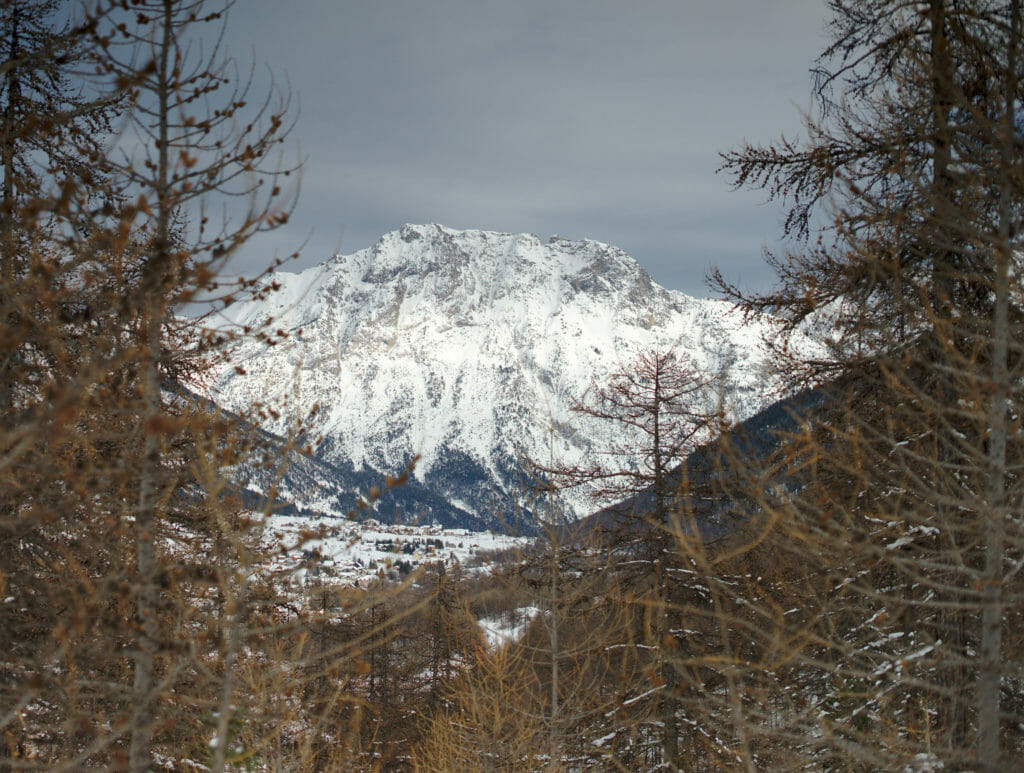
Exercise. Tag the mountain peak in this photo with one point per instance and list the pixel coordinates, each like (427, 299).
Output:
(494, 262)
(468, 347)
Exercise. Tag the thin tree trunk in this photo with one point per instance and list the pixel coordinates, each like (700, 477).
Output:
(951, 621)
(555, 734)
(990, 666)
(554, 544)
(145, 516)
(145, 543)
(670, 733)
(234, 619)
(439, 610)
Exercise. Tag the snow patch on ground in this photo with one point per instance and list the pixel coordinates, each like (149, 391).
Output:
(508, 626)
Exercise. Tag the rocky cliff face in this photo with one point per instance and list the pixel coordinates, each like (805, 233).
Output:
(468, 348)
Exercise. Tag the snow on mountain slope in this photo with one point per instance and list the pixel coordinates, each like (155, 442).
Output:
(468, 348)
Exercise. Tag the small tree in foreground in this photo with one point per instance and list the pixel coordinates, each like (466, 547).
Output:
(656, 405)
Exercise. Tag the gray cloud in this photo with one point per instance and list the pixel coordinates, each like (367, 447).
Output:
(577, 117)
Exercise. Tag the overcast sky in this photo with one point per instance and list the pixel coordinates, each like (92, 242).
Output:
(582, 118)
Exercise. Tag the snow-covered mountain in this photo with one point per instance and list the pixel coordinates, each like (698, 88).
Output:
(468, 348)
